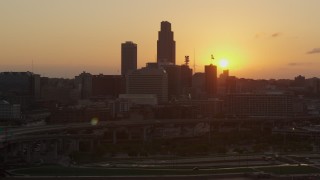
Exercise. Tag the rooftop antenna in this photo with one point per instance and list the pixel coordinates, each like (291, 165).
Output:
(194, 60)
(212, 57)
(32, 66)
(186, 60)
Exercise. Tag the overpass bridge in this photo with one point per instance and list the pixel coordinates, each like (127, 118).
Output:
(13, 135)
(19, 131)
(66, 138)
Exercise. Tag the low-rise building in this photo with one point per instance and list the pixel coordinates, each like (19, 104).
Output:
(259, 104)
(9, 111)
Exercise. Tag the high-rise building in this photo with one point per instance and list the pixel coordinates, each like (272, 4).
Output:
(83, 83)
(299, 81)
(9, 111)
(20, 83)
(179, 80)
(222, 82)
(128, 57)
(186, 77)
(166, 46)
(198, 86)
(174, 81)
(20, 88)
(148, 80)
(211, 80)
(231, 84)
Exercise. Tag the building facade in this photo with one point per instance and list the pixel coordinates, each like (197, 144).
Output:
(174, 81)
(148, 80)
(109, 86)
(20, 88)
(83, 83)
(9, 111)
(186, 77)
(262, 104)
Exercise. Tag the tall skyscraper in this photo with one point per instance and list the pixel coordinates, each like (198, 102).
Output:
(166, 46)
(211, 80)
(128, 57)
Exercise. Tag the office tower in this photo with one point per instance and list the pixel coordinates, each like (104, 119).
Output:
(231, 84)
(198, 90)
(299, 81)
(174, 81)
(148, 80)
(9, 111)
(83, 83)
(20, 88)
(166, 46)
(222, 82)
(211, 80)
(128, 57)
(186, 77)
(20, 83)
(179, 80)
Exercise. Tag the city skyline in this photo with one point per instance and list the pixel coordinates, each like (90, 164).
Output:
(265, 39)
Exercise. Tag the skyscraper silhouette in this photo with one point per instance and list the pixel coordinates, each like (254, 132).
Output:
(128, 57)
(166, 46)
(211, 80)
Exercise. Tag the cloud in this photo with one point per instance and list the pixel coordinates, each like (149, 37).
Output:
(267, 35)
(299, 64)
(314, 51)
(275, 35)
(259, 35)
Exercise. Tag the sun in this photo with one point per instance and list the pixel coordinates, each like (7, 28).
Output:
(223, 63)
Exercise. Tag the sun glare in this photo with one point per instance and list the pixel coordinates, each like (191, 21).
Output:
(223, 63)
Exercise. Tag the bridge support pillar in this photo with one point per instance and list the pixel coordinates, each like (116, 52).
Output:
(220, 126)
(5, 154)
(129, 135)
(74, 145)
(145, 137)
(262, 127)
(28, 149)
(15, 149)
(60, 143)
(239, 126)
(91, 144)
(55, 149)
(114, 136)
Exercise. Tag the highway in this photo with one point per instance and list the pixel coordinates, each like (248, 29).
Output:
(128, 123)
(57, 128)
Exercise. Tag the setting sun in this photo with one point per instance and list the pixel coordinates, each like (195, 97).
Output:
(223, 63)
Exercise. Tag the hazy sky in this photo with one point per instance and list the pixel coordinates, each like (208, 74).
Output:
(259, 38)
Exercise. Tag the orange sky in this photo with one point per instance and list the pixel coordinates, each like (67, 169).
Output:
(260, 39)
